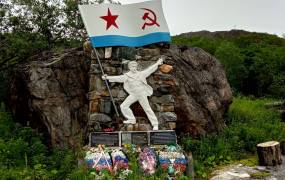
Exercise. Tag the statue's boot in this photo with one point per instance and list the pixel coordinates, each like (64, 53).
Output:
(155, 127)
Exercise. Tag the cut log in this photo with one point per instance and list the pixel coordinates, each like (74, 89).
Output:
(269, 153)
(282, 147)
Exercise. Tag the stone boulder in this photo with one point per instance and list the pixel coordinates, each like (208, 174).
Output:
(49, 94)
(203, 94)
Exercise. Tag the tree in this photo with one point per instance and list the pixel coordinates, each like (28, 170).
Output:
(28, 27)
(31, 26)
(232, 60)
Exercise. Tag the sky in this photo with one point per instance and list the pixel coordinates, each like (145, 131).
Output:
(222, 15)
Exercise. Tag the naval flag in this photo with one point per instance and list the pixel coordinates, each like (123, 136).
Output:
(131, 25)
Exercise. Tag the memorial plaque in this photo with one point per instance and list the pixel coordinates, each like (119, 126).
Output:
(140, 138)
(109, 139)
(137, 138)
(163, 137)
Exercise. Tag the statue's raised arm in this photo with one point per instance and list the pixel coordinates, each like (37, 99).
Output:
(151, 69)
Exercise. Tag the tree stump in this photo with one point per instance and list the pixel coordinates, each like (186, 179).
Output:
(282, 147)
(269, 153)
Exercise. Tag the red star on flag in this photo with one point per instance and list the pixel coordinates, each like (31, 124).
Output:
(110, 19)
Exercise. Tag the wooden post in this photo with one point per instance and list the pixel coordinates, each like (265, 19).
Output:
(269, 153)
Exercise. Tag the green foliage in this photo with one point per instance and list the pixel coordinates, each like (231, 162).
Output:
(249, 123)
(232, 60)
(28, 27)
(260, 175)
(24, 156)
(80, 173)
(6, 125)
(207, 43)
(254, 62)
(64, 161)
(13, 153)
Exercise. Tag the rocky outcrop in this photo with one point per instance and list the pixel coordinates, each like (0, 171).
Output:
(49, 93)
(62, 94)
(203, 94)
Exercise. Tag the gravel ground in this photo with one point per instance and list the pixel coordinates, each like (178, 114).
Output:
(242, 172)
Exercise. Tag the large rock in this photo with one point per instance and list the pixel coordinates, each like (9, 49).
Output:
(203, 94)
(52, 92)
(49, 92)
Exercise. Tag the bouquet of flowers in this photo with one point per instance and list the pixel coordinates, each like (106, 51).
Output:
(120, 160)
(147, 161)
(98, 159)
(172, 159)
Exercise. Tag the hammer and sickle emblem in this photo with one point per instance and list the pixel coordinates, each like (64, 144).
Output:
(151, 19)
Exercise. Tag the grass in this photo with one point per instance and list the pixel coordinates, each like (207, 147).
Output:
(249, 123)
(260, 175)
(250, 161)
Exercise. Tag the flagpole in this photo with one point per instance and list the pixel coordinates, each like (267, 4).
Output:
(106, 82)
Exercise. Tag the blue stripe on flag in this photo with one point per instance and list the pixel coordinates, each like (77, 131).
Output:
(117, 40)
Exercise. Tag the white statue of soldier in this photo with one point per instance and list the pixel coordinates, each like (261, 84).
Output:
(136, 85)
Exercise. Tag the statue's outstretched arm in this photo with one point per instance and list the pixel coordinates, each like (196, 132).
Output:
(151, 69)
(119, 79)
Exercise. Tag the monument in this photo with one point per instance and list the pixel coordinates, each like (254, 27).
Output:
(136, 86)
(132, 26)
(126, 26)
